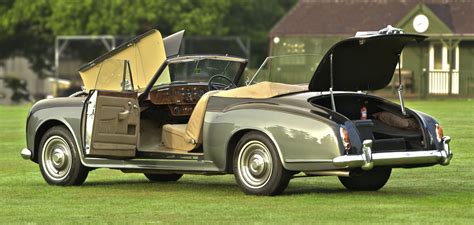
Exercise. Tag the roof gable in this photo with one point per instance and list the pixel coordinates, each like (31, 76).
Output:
(436, 25)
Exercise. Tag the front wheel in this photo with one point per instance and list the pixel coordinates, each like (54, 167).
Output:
(59, 160)
(257, 166)
(371, 180)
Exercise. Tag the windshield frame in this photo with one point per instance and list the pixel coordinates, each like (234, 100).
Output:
(189, 58)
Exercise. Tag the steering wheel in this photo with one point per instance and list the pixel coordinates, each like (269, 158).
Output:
(220, 86)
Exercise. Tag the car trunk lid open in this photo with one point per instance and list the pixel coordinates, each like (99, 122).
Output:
(361, 63)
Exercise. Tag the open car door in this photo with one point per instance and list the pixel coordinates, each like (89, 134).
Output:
(111, 117)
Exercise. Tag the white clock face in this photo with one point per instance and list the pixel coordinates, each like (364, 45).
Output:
(421, 23)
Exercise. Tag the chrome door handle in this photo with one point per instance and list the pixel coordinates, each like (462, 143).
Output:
(123, 115)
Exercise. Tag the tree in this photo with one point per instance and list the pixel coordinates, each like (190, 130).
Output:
(23, 31)
(28, 28)
(255, 18)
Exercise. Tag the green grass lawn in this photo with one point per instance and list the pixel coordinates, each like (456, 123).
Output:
(436, 194)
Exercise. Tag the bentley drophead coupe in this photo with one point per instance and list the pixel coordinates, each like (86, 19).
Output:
(146, 109)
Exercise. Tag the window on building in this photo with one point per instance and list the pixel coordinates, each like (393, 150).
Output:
(455, 59)
(439, 57)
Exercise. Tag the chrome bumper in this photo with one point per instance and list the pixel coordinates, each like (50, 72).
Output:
(367, 160)
(26, 153)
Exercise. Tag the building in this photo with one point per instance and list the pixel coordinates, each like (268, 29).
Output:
(442, 65)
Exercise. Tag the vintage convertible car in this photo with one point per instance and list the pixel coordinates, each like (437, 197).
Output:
(146, 110)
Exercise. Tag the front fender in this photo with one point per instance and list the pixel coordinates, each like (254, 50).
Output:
(51, 112)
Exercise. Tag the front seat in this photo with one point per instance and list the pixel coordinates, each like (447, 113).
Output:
(186, 137)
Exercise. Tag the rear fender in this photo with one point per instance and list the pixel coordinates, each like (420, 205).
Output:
(429, 126)
(304, 141)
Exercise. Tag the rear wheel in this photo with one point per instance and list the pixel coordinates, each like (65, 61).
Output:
(171, 177)
(371, 180)
(257, 166)
(59, 160)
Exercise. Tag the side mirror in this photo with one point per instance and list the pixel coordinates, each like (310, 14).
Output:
(247, 82)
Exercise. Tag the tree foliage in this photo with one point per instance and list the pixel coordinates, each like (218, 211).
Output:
(28, 28)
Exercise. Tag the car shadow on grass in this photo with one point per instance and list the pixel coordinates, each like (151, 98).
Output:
(183, 185)
(386, 191)
(219, 186)
(117, 183)
(208, 186)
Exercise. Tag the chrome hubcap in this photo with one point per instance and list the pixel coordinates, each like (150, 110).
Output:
(255, 164)
(56, 158)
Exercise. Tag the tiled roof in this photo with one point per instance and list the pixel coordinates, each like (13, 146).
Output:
(341, 17)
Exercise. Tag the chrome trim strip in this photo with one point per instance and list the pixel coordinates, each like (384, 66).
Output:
(188, 58)
(153, 164)
(367, 160)
(26, 153)
(308, 160)
(89, 120)
(328, 173)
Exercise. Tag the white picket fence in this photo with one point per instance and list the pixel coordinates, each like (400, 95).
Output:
(439, 83)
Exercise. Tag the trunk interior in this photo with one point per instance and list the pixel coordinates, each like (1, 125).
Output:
(384, 123)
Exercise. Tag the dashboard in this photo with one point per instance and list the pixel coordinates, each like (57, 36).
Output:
(180, 99)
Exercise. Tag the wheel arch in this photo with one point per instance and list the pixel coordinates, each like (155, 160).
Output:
(42, 129)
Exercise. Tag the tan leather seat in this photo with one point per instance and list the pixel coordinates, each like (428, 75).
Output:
(187, 137)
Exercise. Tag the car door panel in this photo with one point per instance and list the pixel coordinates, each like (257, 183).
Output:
(115, 122)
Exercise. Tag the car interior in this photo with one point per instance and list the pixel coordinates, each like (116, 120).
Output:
(177, 113)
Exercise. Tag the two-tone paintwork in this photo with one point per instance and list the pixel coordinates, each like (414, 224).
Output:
(305, 140)
(305, 135)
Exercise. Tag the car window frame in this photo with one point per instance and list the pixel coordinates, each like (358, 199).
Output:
(179, 59)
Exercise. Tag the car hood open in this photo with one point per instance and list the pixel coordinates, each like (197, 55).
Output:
(361, 63)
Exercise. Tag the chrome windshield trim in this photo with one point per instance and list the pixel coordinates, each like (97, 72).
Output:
(190, 58)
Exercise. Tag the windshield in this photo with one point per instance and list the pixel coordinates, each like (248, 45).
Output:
(199, 70)
(287, 69)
